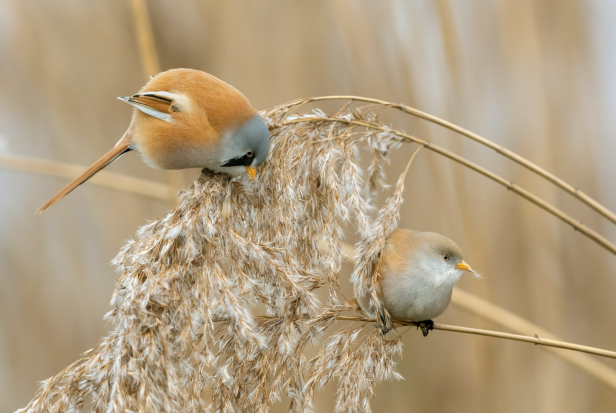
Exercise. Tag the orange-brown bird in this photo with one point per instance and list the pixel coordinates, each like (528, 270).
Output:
(187, 118)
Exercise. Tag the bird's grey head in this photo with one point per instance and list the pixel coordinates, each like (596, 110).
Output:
(248, 145)
(439, 247)
(443, 257)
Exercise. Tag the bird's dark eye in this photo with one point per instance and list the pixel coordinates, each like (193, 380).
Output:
(446, 257)
(249, 154)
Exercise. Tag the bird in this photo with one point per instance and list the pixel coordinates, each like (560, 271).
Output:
(187, 118)
(418, 271)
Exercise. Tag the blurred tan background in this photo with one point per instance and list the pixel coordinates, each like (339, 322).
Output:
(533, 76)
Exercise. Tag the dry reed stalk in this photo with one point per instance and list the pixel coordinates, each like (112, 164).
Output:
(601, 209)
(497, 334)
(199, 265)
(517, 324)
(576, 224)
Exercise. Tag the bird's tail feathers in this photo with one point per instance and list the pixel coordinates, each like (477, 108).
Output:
(118, 150)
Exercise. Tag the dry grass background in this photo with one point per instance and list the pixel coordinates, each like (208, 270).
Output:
(534, 76)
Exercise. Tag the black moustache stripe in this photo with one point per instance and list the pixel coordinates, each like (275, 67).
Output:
(241, 161)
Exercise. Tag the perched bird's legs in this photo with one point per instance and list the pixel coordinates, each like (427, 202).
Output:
(385, 325)
(425, 326)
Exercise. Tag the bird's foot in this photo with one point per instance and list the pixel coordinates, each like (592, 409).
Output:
(425, 326)
(383, 322)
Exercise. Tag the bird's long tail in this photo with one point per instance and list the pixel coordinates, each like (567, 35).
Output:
(118, 150)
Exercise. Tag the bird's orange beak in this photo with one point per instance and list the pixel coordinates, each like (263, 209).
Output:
(251, 172)
(462, 265)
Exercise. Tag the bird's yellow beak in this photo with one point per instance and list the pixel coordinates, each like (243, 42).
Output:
(251, 173)
(462, 265)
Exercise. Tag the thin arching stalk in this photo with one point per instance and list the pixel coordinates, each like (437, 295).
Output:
(477, 138)
(577, 225)
(516, 324)
(497, 334)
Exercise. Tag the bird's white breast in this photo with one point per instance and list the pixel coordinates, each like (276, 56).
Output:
(421, 292)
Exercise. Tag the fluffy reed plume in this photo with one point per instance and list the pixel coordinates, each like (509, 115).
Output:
(192, 283)
(220, 294)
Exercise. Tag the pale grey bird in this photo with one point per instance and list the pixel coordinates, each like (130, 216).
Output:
(418, 273)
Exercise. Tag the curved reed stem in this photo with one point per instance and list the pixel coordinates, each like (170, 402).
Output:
(577, 225)
(513, 322)
(497, 334)
(477, 138)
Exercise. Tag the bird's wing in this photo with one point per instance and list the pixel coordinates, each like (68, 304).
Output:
(118, 150)
(157, 104)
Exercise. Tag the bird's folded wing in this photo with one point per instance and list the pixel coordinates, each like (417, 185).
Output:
(157, 104)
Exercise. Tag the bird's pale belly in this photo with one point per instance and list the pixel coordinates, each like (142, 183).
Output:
(415, 301)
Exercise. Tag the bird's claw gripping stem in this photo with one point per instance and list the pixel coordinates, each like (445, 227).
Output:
(383, 322)
(425, 326)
